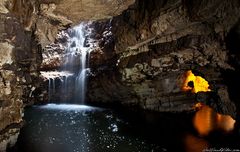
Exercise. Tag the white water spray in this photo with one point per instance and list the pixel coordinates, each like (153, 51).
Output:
(78, 46)
(77, 52)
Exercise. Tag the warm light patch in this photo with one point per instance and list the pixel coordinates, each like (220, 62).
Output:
(195, 144)
(207, 120)
(198, 105)
(203, 120)
(225, 122)
(194, 83)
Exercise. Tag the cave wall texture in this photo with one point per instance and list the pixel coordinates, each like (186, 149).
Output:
(155, 42)
(142, 55)
(26, 27)
(19, 61)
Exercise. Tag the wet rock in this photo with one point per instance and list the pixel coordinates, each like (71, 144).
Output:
(84, 10)
(19, 63)
(47, 18)
(139, 58)
(150, 46)
(155, 43)
(219, 101)
(8, 138)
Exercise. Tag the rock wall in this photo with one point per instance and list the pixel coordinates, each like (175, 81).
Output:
(154, 43)
(140, 60)
(19, 62)
(25, 28)
(142, 55)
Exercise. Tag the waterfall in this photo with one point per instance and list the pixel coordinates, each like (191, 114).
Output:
(49, 90)
(51, 87)
(79, 46)
(56, 79)
(68, 84)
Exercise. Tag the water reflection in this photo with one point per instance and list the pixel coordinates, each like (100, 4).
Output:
(195, 144)
(78, 128)
(67, 107)
(207, 120)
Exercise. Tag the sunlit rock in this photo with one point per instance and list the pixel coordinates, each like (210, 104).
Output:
(6, 51)
(56, 74)
(3, 8)
(88, 9)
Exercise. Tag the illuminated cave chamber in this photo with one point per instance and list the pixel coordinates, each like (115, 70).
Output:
(206, 119)
(194, 83)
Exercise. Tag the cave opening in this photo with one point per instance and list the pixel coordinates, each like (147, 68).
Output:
(194, 83)
(206, 119)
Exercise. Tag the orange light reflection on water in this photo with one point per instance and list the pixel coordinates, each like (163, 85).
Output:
(207, 120)
(195, 144)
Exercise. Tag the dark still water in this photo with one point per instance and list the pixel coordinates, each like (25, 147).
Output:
(78, 128)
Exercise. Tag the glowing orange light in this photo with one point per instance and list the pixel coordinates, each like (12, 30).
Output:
(207, 120)
(198, 83)
(195, 144)
(198, 105)
(225, 122)
(203, 120)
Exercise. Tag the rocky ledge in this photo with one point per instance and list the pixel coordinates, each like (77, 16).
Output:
(19, 60)
(25, 28)
(152, 45)
(143, 54)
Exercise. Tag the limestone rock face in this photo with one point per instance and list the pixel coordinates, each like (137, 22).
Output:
(25, 28)
(3, 8)
(155, 42)
(140, 60)
(51, 16)
(18, 68)
(80, 10)
(143, 53)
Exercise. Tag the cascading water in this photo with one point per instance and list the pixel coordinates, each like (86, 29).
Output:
(54, 78)
(79, 47)
(68, 84)
(51, 87)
